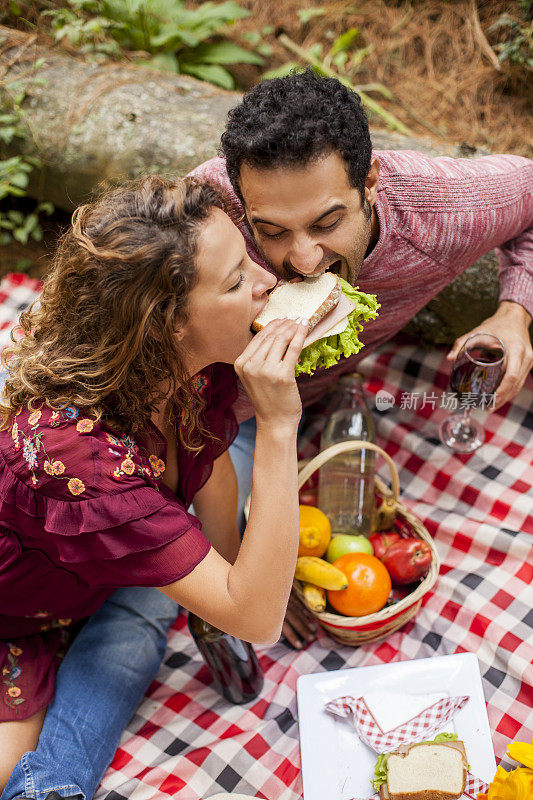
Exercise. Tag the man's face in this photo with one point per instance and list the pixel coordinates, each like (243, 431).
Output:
(306, 220)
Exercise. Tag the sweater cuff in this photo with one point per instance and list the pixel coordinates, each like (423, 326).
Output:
(519, 289)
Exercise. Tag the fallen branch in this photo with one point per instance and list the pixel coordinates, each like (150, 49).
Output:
(393, 122)
(482, 39)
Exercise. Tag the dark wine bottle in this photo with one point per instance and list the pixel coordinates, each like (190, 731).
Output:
(232, 663)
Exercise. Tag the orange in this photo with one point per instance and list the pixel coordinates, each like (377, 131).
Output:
(369, 585)
(315, 532)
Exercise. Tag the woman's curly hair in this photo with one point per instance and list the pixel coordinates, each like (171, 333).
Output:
(291, 121)
(102, 334)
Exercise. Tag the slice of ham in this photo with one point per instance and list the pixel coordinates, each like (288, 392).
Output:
(343, 308)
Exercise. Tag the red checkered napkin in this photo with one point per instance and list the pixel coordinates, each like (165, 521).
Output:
(420, 727)
(423, 726)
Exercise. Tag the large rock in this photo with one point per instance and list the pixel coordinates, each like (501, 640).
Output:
(89, 122)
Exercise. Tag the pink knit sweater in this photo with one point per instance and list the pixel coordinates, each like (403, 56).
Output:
(437, 216)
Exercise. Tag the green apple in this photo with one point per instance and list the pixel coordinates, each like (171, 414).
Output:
(342, 543)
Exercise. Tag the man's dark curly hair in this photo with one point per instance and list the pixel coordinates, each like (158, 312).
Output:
(295, 120)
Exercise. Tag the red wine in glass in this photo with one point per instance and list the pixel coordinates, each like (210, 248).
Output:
(475, 376)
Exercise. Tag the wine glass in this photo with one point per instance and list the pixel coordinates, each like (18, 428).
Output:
(476, 374)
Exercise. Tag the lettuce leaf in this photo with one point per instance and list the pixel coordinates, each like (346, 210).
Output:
(327, 351)
(380, 770)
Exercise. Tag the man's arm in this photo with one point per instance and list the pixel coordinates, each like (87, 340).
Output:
(512, 209)
(215, 505)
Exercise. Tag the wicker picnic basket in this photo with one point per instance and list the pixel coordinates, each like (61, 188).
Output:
(359, 630)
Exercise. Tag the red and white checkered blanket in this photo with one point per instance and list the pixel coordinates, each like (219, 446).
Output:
(187, 742)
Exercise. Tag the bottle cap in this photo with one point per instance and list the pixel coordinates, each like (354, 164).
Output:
(350, 378)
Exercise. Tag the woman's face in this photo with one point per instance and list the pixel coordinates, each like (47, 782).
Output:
(230, 293)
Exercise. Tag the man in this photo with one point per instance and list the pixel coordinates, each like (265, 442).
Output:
(299, 167)
(300, 174)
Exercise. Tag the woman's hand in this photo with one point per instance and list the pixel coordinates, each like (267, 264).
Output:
(266, 370)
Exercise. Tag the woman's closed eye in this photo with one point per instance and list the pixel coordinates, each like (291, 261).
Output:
(239, 283)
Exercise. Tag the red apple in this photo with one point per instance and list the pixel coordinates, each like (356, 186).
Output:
(308, 497)
(408, 560)
(382, 541)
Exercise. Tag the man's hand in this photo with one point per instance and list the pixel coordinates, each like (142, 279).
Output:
(510, 323)
(299, 627)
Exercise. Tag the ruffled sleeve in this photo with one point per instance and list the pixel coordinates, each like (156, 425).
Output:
(93, 504)
(218, 385)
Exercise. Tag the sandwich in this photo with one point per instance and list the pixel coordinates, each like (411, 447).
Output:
(334, 310)
(433, 770)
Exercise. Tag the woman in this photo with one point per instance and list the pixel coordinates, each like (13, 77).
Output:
(116, 410)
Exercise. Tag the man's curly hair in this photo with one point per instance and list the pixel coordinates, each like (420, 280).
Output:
(292, 121)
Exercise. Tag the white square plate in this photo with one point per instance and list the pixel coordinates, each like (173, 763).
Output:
(336, 765)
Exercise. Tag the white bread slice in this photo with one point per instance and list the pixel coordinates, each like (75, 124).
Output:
(310, 299)
(426, 772)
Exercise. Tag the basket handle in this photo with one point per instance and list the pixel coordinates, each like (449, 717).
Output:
(349, 447)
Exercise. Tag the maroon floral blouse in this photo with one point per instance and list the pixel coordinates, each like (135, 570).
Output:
(83, 511)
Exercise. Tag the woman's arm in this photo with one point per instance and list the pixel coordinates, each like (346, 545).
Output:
(248, 599)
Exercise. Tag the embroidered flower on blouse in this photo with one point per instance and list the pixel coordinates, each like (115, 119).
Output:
(128, 466)
(54, 468)
(130, 443)
(76, 486)
(29, 451)
(10, 673)
(34, 417)
(113, 439)
(71, 412)
(85, 425)
(15, 432)
(157, 464)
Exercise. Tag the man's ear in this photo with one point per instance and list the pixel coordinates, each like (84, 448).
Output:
(371, 183)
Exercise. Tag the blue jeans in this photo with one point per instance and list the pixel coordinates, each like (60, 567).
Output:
(104, 676)
(100, 683)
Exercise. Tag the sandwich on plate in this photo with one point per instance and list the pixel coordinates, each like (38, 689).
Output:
(335, 311)
(433, 770)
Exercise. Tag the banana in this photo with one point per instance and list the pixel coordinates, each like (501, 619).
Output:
(317, 571)
(314, 597)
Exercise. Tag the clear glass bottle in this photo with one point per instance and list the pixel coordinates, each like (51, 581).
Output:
(346, 482)
(233, 663)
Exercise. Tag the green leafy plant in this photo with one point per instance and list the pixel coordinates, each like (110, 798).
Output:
(177, 39)
(342, 63)
(15, 171)
(517, 46)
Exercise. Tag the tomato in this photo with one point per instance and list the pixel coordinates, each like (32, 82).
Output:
(369, 585)
(408, 560)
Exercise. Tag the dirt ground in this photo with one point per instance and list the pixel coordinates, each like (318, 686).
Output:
(432, 55)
